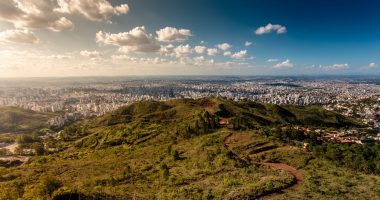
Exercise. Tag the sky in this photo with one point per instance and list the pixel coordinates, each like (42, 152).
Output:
(56, 38)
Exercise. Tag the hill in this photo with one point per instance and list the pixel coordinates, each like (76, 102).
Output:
(185, 149)
(13, 119)
(189, 117)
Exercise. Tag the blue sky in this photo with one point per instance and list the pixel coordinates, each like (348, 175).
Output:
(296, 37)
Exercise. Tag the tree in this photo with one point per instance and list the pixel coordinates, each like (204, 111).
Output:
(165, 171)
(196, 127)
(38, 148)
(175, 155)
(19, 150)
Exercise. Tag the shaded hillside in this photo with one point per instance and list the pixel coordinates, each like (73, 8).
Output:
(13, 119)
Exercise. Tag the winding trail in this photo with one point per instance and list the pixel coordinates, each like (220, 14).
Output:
(278, 166)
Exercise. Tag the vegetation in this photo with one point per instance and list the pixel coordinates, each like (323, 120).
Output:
(20, 120)
(178, 150)
(364, 158)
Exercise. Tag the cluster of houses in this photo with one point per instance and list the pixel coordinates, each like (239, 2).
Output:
(349, 136)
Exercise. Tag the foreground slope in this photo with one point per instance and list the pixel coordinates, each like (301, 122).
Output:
(174, 150)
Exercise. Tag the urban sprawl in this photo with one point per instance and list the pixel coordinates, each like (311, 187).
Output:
(75, 100)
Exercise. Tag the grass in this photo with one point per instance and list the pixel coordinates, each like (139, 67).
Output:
(20, 120)
(204, 168)
(323, 180)
(154, 150)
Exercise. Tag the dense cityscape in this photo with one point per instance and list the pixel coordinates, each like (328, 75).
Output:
(94, 97)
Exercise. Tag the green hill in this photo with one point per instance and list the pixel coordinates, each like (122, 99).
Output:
(187, 117)
(13, 119)
(182, 149)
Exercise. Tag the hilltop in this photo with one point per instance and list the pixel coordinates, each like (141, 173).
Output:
(209, 148)
(188, 117)
(14, 119)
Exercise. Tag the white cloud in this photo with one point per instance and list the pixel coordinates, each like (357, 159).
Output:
(199, 59)
(227, 53)
(158, 60)
(136, 40)
(33, 14)
(170, 34)
(240, 55)
(18, 36)
(145, 48)
(269, 28)
(122, 57)
(224, 46)
(284, 65)
(59, 56)
(202, 61)
(167, 49)
(212, 52)
(335, 67)
(183, 51)
(272, 60)
(372, 65)
(95, 10)
(62, 24)
(200, 49)
(91, 54)
(247, 43)
(48, 14)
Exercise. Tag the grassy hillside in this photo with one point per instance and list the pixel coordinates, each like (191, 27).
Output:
(175, 150)
(14, 119)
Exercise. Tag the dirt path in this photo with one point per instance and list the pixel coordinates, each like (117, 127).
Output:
(278, 166)
(11, 147)
(291, 170)
(12, 158)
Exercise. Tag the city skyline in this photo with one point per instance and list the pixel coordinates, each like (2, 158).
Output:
(58, 38)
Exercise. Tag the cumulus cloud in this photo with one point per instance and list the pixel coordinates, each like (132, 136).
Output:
(247, 43)
(95, 10)
(167, 49)
(372, 65)
(224, 46)
(18, 36)
(212, 52)
(240, 55)
(284, 65)
(33, 14)
(59, 56)
(47, 14)
(335, 67)
(135, 40)
(199, 59)
(200, 49)
(183, 51)
(91, 54)
(170, 34)
(272, 60)
(227, 53)
(269, 28)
